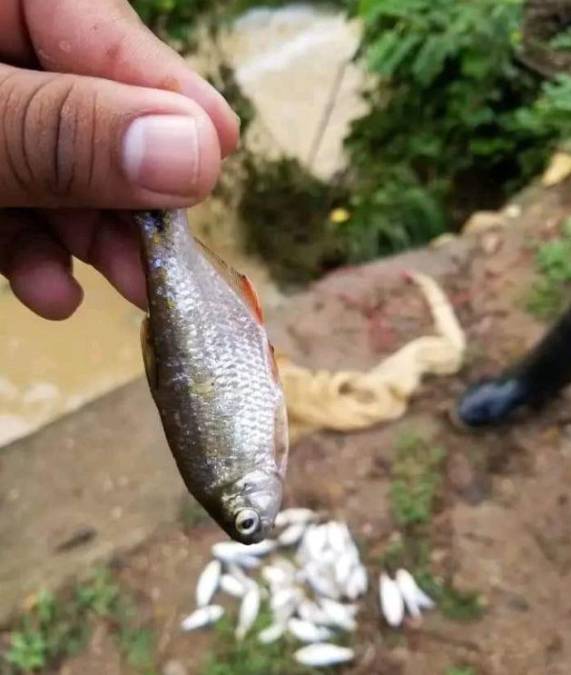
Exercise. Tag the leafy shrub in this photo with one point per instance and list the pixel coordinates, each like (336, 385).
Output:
(550, 289)
(455, 123)
(176, 18)
(286, 212)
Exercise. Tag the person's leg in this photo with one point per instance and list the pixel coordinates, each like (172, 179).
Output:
(536, 378)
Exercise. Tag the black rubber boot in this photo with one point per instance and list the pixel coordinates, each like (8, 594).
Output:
(535, 380)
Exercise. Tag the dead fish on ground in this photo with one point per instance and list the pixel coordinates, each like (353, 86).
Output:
(249, 610)
(208, 583)
(322, 655)
(414, 597)
(391, 601)
(202, 617)
(213, 377)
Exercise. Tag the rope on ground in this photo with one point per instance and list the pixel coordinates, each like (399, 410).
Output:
(350, 401)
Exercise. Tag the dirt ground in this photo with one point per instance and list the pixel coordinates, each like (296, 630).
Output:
(502, 526)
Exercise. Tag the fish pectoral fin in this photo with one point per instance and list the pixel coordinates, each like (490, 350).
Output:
(237, 281)
(149, 359)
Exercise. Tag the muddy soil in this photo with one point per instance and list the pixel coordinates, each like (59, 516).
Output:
(503, 523)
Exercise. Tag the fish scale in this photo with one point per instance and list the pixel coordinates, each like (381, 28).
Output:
(212, 377)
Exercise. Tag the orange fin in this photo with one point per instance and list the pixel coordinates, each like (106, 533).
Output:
(250, 295)
(238, 282)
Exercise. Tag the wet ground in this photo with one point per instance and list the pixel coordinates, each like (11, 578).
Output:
(499, 527)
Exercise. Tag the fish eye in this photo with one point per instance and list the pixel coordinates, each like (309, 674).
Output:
(247, 522)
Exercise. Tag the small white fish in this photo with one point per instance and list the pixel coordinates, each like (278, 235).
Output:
(414, 597)
(285, 602)
(202, 617)
(392, 603)
(344, 566)
(248, 562)
(248, 611)
(208, 583)
(305, 631)
(295, 517)
(286, 596)
(291, 535)
(357, 583)
(309, 611)
(276, 577)
(230, 585)
(271, 633)
(338, 536)
(314, 541)
(230, 551)
(322, 654)
(342, 616)
(321, 581)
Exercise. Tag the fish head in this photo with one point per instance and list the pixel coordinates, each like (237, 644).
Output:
(250, 506)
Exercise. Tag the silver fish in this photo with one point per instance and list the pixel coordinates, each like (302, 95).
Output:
(232, 586)
(208, 583)
(213, 378)
(202, 617)
(414, 597)
(305, 631)
(295, 517)
(271, 633)
(322, 654)
(249, 610)
(392, 603)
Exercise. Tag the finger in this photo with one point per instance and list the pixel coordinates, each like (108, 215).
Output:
(107, 242)
(15, 45)
(107, 39)
(70, 141)
(40, 274)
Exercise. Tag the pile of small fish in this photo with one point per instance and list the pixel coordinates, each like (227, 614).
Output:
(312, 593)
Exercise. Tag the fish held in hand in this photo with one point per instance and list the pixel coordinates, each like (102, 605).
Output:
(213, 377)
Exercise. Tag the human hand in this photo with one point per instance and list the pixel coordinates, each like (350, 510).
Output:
(96, 114)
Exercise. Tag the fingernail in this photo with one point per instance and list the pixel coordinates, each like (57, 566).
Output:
(161, 153)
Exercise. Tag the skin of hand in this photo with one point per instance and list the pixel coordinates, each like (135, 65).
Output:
(97, 116)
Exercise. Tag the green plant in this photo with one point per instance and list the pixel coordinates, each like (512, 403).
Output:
(59, 627)
(286, 212)
(553, 268)
(137, 646)
(173, 18)
(176, 19)
(415, 481)
(51, 630)
(460, 670)
(455, 604)
(100, 594)
(455, 122)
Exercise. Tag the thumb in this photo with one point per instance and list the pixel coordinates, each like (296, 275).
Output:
(73, 141)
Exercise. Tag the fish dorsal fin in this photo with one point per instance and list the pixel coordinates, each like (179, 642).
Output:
(238, 282)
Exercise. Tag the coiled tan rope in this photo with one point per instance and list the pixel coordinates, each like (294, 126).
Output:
(349, 401)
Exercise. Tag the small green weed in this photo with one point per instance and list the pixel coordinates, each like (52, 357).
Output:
(457, 605)
(138, 646)
(460, 670)
(50, 631)
(547, 296)
(58, 628)
(415, 481)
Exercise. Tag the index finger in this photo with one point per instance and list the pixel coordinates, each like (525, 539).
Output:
(107, 39)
